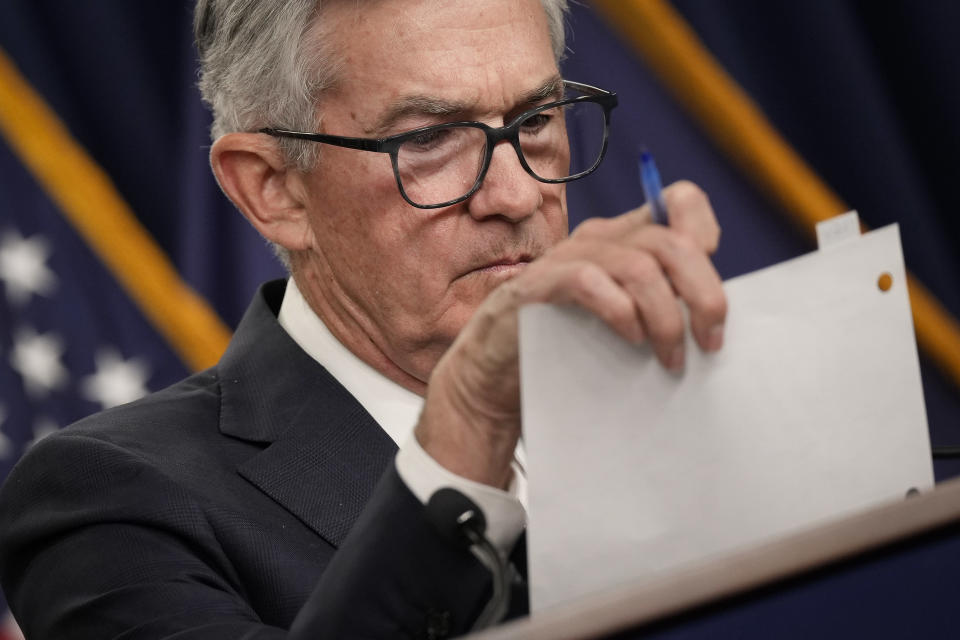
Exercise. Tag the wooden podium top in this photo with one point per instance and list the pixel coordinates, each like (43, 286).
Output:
(674, 592)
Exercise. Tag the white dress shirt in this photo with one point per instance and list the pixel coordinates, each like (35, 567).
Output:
(397, 410)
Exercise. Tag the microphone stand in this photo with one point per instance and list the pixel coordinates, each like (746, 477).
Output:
(460, 520)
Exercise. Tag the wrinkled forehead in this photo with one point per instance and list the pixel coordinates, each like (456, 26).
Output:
(488, 52)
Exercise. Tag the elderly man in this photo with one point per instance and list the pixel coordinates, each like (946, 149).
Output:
(266, 494)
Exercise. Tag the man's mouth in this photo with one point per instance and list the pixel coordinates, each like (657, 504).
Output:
(502, 267)
(505, 265)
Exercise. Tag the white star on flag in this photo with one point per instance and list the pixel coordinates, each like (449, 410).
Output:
(37, 359)
(23, 267)
(117, 381)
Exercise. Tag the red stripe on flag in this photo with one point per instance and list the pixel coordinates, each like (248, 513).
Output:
(9, 629)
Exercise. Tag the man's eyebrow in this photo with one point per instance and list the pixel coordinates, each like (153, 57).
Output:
(416, 105)
(551, 88)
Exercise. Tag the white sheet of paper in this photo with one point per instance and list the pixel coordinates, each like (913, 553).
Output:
(812, 409)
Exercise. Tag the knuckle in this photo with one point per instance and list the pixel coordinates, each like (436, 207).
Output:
(691, 204)
(683, 245)
(713, 304)
(669, 330)
(591, 228)
(677, 248)
(639, 215)
(510, 294)
(643, 268)
(685, 194)
(582, 276)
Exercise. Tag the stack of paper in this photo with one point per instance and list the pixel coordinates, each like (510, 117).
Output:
(813, 409)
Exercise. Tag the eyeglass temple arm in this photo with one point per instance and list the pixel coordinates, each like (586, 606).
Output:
(606, 98)
(586, 88)
(363, 144)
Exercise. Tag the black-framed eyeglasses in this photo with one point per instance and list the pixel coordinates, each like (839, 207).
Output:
(443, 164)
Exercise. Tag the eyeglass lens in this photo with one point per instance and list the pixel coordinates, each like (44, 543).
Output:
(443, 164)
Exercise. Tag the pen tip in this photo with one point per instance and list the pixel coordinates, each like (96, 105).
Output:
(645, 155)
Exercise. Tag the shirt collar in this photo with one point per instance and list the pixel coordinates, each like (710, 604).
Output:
(394, 408)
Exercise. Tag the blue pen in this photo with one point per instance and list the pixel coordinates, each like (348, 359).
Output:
(652, 189)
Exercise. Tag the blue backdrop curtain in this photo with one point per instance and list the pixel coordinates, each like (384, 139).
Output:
(868, 92)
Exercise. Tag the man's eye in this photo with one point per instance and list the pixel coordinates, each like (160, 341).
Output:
(428, 139)
(536, 123)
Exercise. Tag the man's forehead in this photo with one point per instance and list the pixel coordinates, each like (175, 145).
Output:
(414, 104)
(437, 57)
(424, 36)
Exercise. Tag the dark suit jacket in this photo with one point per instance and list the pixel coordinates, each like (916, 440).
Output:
(249, 498)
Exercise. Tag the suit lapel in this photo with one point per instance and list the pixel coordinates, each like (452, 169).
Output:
(325, 453)
(324, 469)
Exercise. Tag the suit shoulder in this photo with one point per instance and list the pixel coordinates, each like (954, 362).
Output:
(174, 431)
(188, 405)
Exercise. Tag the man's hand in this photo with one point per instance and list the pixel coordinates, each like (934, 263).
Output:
(626, 270)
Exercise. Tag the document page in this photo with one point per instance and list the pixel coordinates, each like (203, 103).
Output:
(813, 409)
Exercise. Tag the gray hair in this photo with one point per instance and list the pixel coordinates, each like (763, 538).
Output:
(259, 68)
(264, 63)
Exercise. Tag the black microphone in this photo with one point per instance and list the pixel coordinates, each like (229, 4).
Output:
(461, 521)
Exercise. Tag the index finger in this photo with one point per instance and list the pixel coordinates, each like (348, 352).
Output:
(688, 210)
(691, 214)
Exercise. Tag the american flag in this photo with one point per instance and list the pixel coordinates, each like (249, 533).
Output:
(92, 313)
(71, 341)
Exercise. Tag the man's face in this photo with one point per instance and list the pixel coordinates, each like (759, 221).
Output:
(379, 270)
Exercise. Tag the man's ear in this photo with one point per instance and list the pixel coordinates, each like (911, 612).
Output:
(251, 170)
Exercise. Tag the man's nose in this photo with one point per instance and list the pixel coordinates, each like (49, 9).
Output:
(508, 190)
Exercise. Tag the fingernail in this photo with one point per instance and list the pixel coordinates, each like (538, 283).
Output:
(715, 338)
(676, 359)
